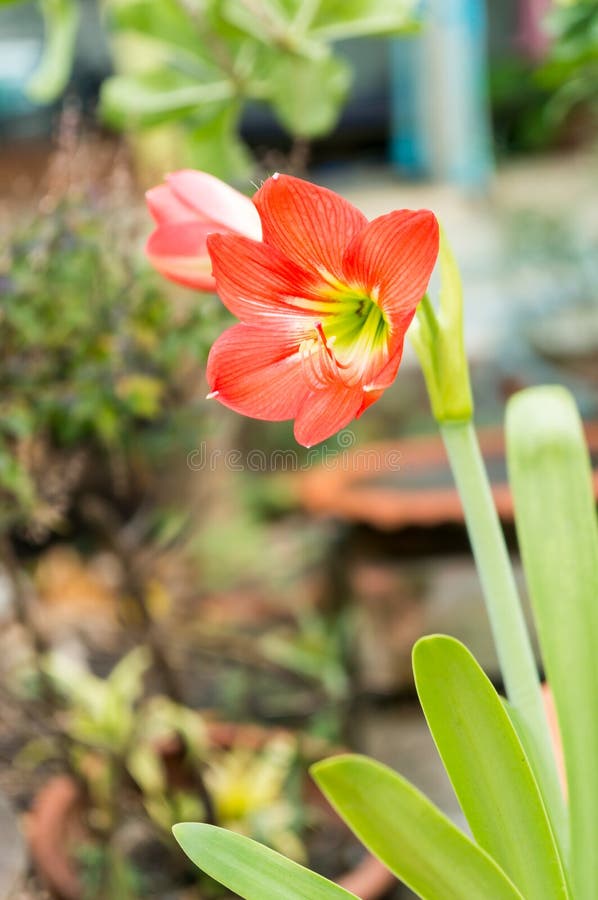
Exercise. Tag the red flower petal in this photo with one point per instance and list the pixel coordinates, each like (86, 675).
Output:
(258, 371)
(325, 412)
(257, 283)
(164, 206)
(396, 255)
(310, 224)
(178, 250)
(215, 201)
(385, 376)
(369, 398)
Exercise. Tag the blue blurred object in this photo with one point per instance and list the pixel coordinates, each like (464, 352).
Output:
(18, 57)
(21, 47)
(440, 108)
(21, 41)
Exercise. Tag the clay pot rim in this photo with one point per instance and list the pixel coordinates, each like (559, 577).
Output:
(55, 805)
(340, 491)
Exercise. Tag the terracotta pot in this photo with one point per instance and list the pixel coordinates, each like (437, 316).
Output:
(395, 484)
(54, 828)
(56, 823)
(370, 879)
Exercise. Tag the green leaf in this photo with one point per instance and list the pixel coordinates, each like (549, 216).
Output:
(339, 19)
(270, 23)
(61, 23)
(251, 870)
(127, 101)
(550, 476)
(166, 22)
(271, 26)
(126, 678)
(487, 766)
(308, 95)
(215, 146)
(408, 833)
(142, 394)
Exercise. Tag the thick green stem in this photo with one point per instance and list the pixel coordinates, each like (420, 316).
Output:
(508, 625)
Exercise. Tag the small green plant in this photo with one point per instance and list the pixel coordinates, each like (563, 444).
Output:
(138, 756)
(103, 734)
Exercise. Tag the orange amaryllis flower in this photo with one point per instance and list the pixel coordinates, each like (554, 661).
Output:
(188, 207)
(324, 302)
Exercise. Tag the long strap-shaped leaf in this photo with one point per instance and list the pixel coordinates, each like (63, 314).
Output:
(251, 870)
(409, 834)
(487, 766)
(558, 536)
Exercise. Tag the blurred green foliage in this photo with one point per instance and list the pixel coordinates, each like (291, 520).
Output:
(519, 108)
(571, 71)
(93, 351)
(199, 62)
(537, 105)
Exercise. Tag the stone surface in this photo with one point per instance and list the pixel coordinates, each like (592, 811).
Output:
(397, 603)
(12, 851)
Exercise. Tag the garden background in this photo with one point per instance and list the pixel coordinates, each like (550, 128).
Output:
(192, 607)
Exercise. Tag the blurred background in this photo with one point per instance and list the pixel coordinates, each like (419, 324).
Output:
(192, 607)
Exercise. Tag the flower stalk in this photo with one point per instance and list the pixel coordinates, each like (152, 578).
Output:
(439, 343)
(503, 605)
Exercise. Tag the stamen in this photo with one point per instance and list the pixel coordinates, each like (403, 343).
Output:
(350, 338)
(324, 340)
(318, 375)
(364, 339)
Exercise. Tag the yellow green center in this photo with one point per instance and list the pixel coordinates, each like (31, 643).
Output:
(355, 324)
(350, 340)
